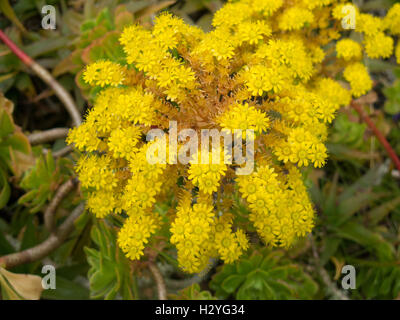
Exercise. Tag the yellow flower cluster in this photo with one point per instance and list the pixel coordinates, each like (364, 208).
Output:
(392, 20)
(199, 234)
(243, 117)
(206, 172)
(376, 42)
(135, 233)
(103, 73)
(398, 53)
(348, 49)
(280, 209)
(266, 67)
(357, 75)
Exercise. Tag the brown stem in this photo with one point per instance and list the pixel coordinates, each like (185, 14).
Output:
(42, 73)
(59, 153)
(61, 193)
(48, 135)
(392, 154)
(63, 152)
(158, 278)
(50, 244)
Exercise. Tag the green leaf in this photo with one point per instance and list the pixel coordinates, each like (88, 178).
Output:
(109, 271)
(134, 6)
(154, 8)
(6, 124)
(66, 290)
(263, 275)
(5, 190)
(45, 46)
(244, 267)
(42, 180)
(123, 19)
(106, 47)
(5, 246)
(348, 207)
(331, 244)
(193, 292)
(232, 282)
(19, 141)
(365, 181)
(378, 213)
(8, 11)
(29, 238)
(392, 104)
(358, 233)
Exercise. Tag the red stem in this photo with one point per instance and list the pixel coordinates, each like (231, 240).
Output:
(46, 76)
(392, 154)
(17, 51)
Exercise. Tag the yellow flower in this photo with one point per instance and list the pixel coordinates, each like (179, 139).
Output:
(333, 92)
(359, 79)
(348, 49)
(368, 24)
(101, 203)
(266, 7)
(136, 233)
(122, 142)
(295, 18)
(301, 154)
(104, 73)
(96, 172)
(378, 46)
(398, 52)
(248, 186)
(207, 175)
(392, 19)
(319, 155)
(243, 117)
(138, 194)
(230, 245)
(252, 32)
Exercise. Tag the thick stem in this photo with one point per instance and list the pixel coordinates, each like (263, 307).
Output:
(40, 251)
(61, 193)
(60, 92)
(48, 135)
(63, 152)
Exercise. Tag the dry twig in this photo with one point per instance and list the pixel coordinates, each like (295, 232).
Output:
(61, 193)
(48, 135)
(45, 248)
(63, 152)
